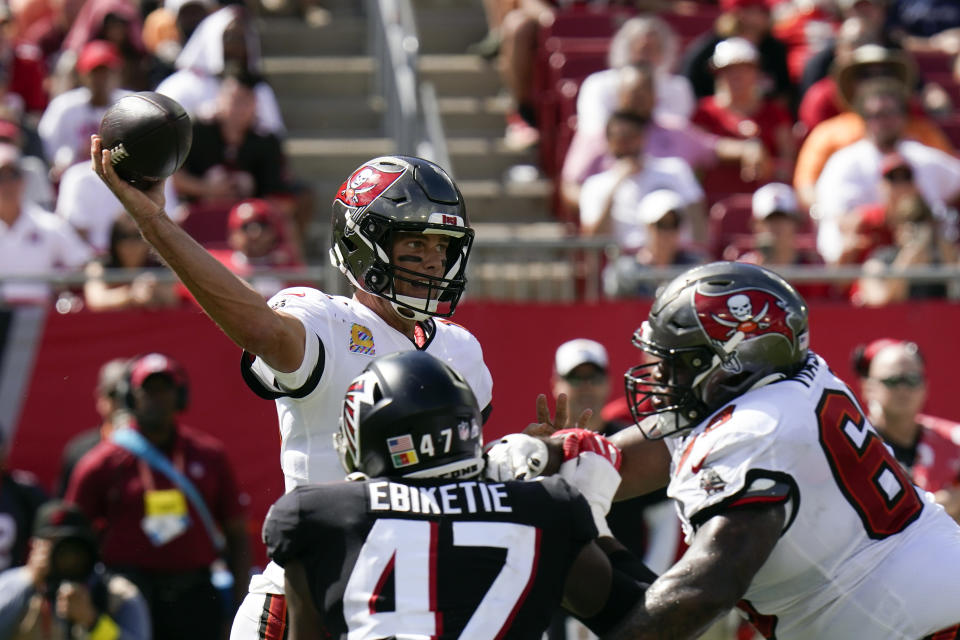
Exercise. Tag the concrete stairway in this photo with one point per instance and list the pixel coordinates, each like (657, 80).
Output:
(323, 79)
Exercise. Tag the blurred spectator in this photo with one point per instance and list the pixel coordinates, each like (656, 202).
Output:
(917, 241)
(662, 213)
(73, 116)
(518, 48)
(106, 403)
(152, 531)
(873, 223)
(805, 28)
(48, 32)
(648, 525)
(866, 70)
(894, 389)
(20, 496)
(231, 158)
(748, 19)
(23, 67)
(822, 99)
(738, 109)
(925, 24)
(494, 11)
(31, 239)
(644, 40)
(36, 183)
(852, 176)
(666, 137)
(90, 207)
(166, 30)
(862, 23)
(62, 592)
(609, 200)
(130, 253)
(258, 239)
(224, 42)
(777, 240)
(119, 23)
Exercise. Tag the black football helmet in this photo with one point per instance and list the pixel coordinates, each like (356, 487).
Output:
(410, 415)
(395, 194)
(714, 333)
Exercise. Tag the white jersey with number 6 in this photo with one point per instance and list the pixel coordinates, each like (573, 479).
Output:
(863, 553)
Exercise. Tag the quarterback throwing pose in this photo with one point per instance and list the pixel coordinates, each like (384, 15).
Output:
(402, 238)
(794, 509)
(423, 547)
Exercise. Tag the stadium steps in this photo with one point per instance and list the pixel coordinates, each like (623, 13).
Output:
(324, 82)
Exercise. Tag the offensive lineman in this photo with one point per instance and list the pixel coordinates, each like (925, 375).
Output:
(422, 546)
(794, 509)
(402, 237)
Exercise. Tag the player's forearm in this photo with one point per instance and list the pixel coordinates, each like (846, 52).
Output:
(235, 306)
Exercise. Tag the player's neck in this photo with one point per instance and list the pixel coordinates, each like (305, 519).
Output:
(387, 313)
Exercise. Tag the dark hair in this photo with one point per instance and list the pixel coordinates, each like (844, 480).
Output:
(124, 227)
(863, 354)
(912, 209)
(627, 117)
(241, 74)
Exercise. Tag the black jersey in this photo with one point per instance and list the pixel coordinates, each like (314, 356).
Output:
(432, 558)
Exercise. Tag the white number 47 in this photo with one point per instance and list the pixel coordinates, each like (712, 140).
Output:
(404, 546)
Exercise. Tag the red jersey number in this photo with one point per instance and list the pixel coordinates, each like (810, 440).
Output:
(871, 479)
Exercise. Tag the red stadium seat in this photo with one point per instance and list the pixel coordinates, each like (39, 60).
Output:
(730, 222)
(933, 62)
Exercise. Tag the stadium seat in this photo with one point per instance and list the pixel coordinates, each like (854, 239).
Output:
(729, 223)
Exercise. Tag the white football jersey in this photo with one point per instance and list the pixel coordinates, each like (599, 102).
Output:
(863, 554)
(343, 336)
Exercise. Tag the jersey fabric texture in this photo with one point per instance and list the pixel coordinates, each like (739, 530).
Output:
(863, 553)
(343, 336)
(468, 559)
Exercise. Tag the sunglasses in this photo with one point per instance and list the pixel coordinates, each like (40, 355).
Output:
(9, 174)
(910, 380)
(899, 175)
(591, 378)
(883, 113)
(668, 223)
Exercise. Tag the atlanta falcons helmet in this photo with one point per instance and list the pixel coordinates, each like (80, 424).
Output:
(393, 194)
(714, 333)
(410, 415)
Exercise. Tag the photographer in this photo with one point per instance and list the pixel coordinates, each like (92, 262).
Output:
(62, 592)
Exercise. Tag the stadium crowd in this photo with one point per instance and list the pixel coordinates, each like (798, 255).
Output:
(770, 132)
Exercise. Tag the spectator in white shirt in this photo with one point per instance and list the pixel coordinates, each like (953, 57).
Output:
(73, 116)
(646, 40)
(31, 240)
(852, 175)
(609, 200)
(90, 207)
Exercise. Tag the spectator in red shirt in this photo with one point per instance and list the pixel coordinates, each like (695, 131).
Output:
(150, 531)
(24, 67)
(258, 239)
(894, 389)
(738, 109)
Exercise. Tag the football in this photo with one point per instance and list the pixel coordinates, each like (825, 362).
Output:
(148, 135)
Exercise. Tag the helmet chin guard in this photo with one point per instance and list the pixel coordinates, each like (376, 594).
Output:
(714, 333)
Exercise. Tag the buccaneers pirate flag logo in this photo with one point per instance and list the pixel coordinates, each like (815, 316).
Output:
(365, 185)
(751, 312)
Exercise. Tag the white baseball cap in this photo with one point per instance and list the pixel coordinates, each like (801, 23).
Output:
(574, 353)
(659, 203)
(734, 51)
(775, 197)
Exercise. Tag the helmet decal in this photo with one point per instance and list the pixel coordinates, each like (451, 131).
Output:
(366, 185)
(751, 312)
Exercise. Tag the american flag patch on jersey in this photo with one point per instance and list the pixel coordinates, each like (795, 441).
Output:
(402, 452)
(361, 340)
(400, 444)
